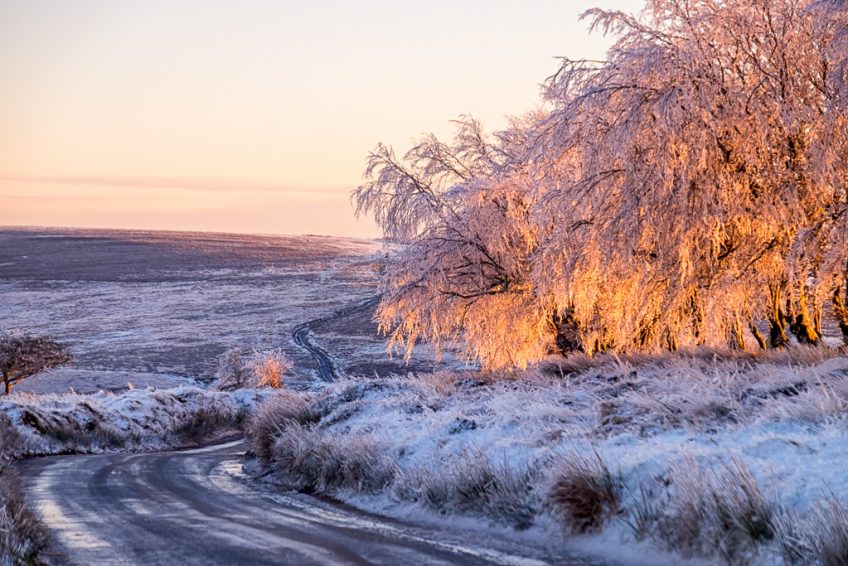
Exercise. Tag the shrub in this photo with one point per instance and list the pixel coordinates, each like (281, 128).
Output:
(585, 494)
(258, 369)
(268, 368)
(273, 416)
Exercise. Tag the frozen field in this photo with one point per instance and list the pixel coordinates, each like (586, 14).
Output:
(156, 308)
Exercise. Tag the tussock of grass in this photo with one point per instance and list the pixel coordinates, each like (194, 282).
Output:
(10, 440)
(312, 461)
(208, 420)
(584, 494)
(23, 537)
(472, 482)
(820, 539)
(273, 416)
(714, 510)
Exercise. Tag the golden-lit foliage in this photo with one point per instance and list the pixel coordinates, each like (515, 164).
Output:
(684, 192)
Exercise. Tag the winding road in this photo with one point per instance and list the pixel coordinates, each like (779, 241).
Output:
(199, 507)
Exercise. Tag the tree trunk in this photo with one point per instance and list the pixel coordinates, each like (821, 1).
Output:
(672, 342)
(758, 336)
(567, 332)
(737, 340)
(777, 331)
(803, 325)
(841, 310)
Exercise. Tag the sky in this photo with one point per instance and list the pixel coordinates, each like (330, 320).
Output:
(251, 116)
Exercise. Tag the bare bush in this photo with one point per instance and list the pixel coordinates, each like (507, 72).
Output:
(24, 355)
(585, 494)
(472, 482)
(232, 372)
(315, 461)
(273, 416)
(258, 369)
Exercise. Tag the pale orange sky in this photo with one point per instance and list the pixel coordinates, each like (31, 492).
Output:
(249, 115)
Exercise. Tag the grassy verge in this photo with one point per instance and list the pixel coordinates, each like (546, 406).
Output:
(23, 537)
(728, 460)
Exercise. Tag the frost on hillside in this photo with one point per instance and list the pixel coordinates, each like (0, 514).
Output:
(689, 190)
(726, 459)
(139, 419)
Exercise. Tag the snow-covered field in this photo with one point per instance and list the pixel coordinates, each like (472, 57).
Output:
(698, 457)
(528, 451)
(156, 308)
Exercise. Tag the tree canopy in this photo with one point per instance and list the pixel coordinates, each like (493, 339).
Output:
(691, 189)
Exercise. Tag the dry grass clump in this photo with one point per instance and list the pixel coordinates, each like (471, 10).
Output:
(828, 534)
(238, 369)
(585, 494)
(315, 461)
(10, 440)
(472, 482)
(820, 539)
(273, 416)
(714, 510)
(77, 434)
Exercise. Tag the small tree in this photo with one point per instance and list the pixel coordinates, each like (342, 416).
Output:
(24, 355)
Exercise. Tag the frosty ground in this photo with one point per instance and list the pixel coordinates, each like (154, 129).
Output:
(699, 457)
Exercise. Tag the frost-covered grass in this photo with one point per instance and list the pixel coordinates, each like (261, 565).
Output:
(139, 419)
(716, 458)
(23, 537)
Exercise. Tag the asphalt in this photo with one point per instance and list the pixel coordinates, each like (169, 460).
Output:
(198, 507)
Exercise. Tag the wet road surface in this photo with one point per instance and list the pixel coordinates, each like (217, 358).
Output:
(198, 507)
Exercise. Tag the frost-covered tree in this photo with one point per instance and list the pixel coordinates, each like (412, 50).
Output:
(23, 355)
(711, 148)
(688, 190)
(464, 208)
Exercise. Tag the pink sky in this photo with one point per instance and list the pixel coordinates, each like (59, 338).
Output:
(249, 116)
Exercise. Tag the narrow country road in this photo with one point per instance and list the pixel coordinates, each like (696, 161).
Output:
(197, 507)
(303, 337)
